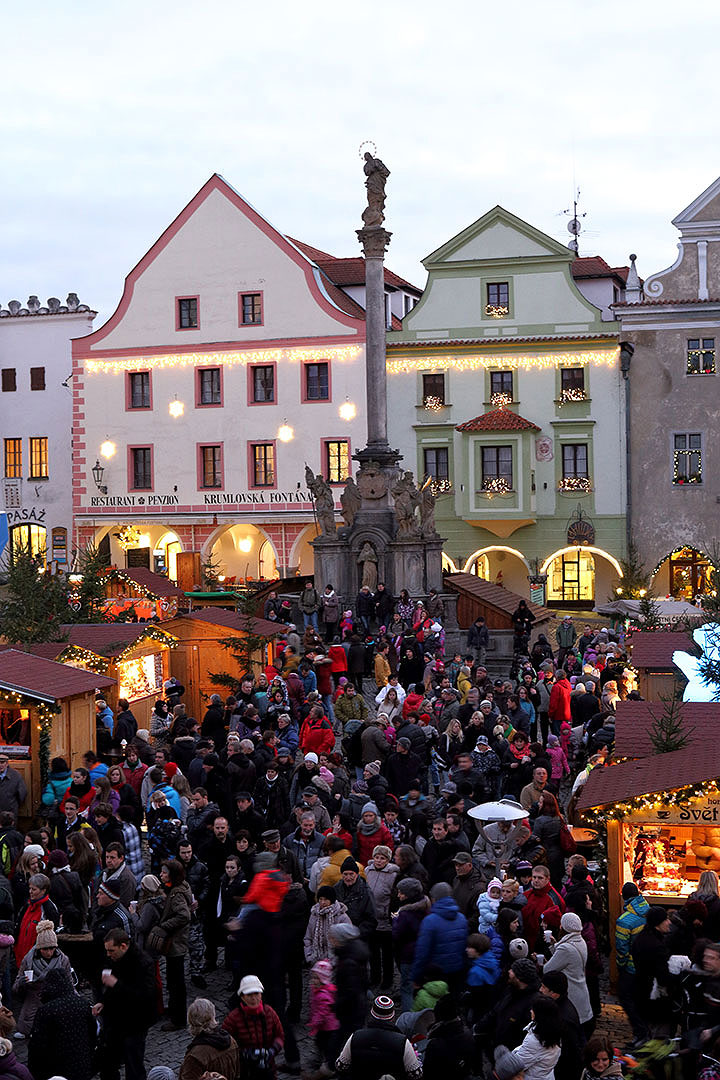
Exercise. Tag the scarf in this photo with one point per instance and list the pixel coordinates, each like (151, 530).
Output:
(371, 829)
(327, 917)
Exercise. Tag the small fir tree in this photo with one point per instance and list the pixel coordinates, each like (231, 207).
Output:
(667, 732)
(635, 579)
(248, 651)
(88, 595)
(649, 614)
(35, 604)
(210, 573)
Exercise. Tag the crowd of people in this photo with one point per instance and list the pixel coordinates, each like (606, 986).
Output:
(311, 834)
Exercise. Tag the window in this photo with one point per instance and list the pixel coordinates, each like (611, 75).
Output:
(574, 460)
(28, 540)
(187, 313)
(209, 386)
(13, 458)
(37, 378)
(139, 390)
(497, 473)
(38, 458)
(263, 383)
(687, 459)
(251, 309)
(317, 382)
(436, 465)
(388, 311)
(433, 391)
(701, 356)
(9, 380)
(501, 387)
(408, 303)
(337, 461)
(263, 464)
(211, 468)
(141, 468)
(498, 299)
(572, 384)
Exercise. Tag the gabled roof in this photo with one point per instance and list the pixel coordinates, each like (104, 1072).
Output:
(655, 650)
(498, 420)
(232, 620)
(634, 720)
(594, 266)
(548, 247)
(349, 271)
(695, 763)
(108, 639)
(690, 213)
(45, 680)
(154, 583)
(494, 595)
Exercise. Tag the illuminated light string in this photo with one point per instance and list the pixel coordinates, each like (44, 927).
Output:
(526, 361)
(45, 715)
(678, 551)
(433, 403)
(575, 484)
(652, 801)
(339, 354)
(501, 400)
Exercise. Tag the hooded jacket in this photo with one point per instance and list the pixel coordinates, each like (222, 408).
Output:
(628, 926)
(210, 1051)
(406, 927)
(441, 940)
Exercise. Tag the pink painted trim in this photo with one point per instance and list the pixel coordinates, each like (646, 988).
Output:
(251, 292)
(217, 346)
(303, 383)
(214, 404)
(251, 465)
(186, 296)
(215, 183)
(200, 471)
(128, 392)
(324, 461)
(251, 387)
(130, 470)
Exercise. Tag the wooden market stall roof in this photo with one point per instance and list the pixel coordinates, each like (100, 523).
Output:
(489, 600)
(151, 584)
(634, 720)
(694, 764)
(654, 651)
(46, 680)
(233, 620)
(112, 639)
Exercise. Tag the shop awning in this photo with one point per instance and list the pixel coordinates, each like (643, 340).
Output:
(668, 610)
(634, 721)
(694, 764)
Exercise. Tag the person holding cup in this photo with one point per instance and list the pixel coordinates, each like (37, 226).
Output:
(569, 955)
(36, 965)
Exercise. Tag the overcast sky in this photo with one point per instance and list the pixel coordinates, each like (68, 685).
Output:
(114, 114)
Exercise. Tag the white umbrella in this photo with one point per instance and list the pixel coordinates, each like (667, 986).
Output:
(502, 810)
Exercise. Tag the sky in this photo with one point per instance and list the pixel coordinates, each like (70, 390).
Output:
(114, 115)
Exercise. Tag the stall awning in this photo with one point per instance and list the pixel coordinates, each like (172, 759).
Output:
(45, 680)
(634, 720)
(694, 764)
(112, 639)
(233, 620)
(654, 651)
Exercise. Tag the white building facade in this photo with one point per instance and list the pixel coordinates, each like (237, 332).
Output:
(231, 363)
(36, 417)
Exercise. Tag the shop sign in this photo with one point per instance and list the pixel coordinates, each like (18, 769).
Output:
(16, 517)
(258, 497)
(135, 500)
(700, 811)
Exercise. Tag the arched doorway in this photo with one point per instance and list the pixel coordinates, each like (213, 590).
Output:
(576, 575)
(500, 565)
(480, 567)
(28, 538)
(241, 553)
(267, 566)
(684, 574)
(448, 565)
(302, 554)
(165, 553)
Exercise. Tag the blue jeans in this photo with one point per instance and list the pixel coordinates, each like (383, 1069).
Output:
(312, 618)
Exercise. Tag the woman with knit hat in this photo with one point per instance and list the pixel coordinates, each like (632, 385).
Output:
(324, 914)
(381, 875)
(39, 961)
(570, 956)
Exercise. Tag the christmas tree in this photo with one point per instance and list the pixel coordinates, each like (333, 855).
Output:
(667, 732)
(248, 651)
(35, 604)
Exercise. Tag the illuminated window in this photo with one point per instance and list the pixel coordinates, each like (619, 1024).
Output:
(701, 356)
(501, 386)
(9, 380)
(13, 458)
(209, 386)
(38, 458)
(263, 464)
(572, 384)
(317, 381)
(140, 677)
(139, 395)
(251, 310)
(28, 539)
(571, 577)
(211, 465)
(141, 468)
(187, 313)
(687, 459)
(433, 390)
(497, 299)
(37, 378)
(263, 383)
(497, 468)
(337, 461)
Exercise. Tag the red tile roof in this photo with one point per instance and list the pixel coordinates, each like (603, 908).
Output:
(498, 420)
(44, 679)
(494, 595)
(349, 271)
(154, 583)
(493, 343)
(594, 266)
(234, 621)
(634, 720)
(695, 763)
(655, 650)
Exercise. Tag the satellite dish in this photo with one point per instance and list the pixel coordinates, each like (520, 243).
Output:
(574, 226)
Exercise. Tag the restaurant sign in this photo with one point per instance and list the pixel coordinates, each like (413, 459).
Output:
(699, 811)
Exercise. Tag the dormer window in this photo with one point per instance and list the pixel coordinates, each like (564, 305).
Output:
(497, 304)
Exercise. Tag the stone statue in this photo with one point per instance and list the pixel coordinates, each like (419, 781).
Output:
(367, 559)
(427, 502)
(324, 502)
(350, 501)
(376, 173)
(406, 498)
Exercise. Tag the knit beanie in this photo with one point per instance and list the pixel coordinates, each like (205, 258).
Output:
(326, 892)
(383, 1008)
(496, 883)
(373, 768)
(382, 849)
(35, 849)
(57, 859)
(518, 948)
(630, 890)
(150, 883)
(46, 938)
(411, 888)
(323, 971)
(370, 808)
(526, 972)
(349, 864)
(655, 916)
(571, 923)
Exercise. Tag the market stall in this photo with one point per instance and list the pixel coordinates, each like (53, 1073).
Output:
(46, 710)
(148, 595)
(651, 654)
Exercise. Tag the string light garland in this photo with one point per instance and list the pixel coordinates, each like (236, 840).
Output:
(439, 487)
(496, 485)
(652, 802)
(497, 311)
(45, 712)
(341, 354)
(501, 399)
(575, 484)
(571, 394)
(520, 361)
(433, 403)
(678, 551)
(128, 537)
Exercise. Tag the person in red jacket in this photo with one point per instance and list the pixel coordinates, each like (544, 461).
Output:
(317, 734)
(256, 1029)
(559, 705)
(542, 901)
(372, 831)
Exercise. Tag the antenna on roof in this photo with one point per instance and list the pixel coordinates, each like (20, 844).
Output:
(574, 225)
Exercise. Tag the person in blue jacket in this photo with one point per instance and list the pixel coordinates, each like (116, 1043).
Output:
(442, 938)
(160, 784)
(59, 780)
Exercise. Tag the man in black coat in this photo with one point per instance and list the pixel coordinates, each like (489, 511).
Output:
(127, 1007)
(650, 955)
(506, 1023)
(353, 892)
(351, 978)
(64, 1032)
(380, 1049)
(402, 766)
(570, 1064)
(213, 723)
